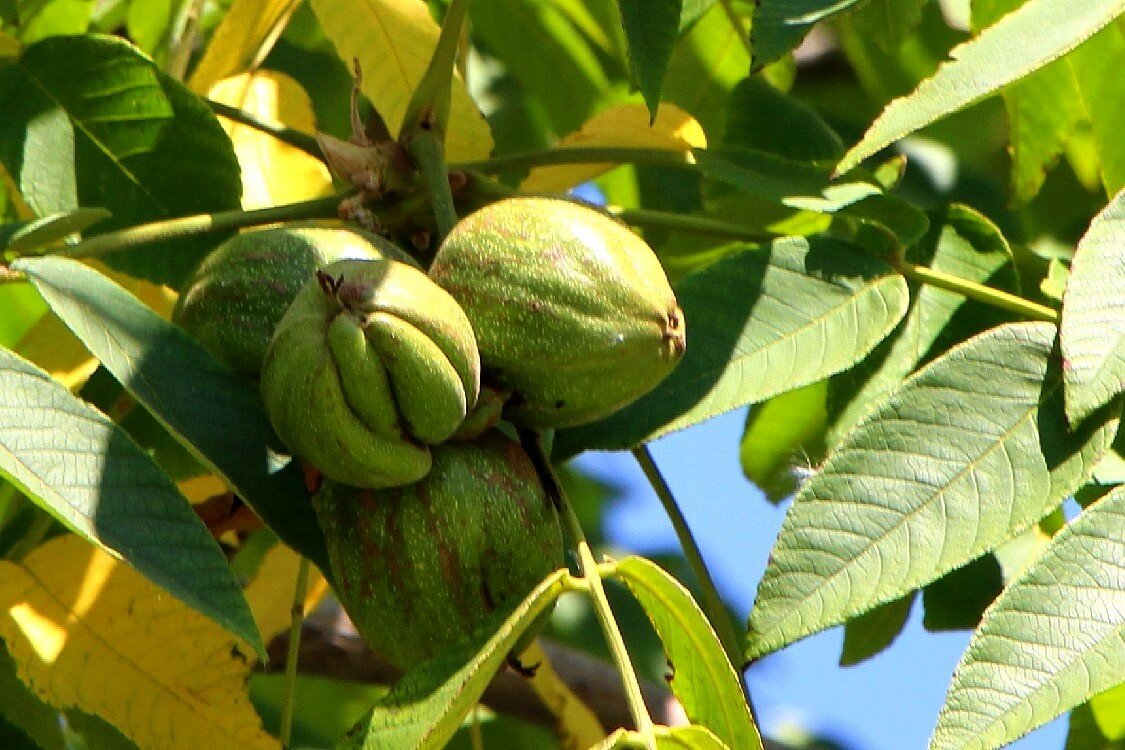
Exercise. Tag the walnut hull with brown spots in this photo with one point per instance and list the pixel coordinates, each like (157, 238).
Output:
(572, 311)
(239, 292)
(417, 568)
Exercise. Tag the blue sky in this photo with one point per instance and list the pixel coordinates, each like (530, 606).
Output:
(888, 702)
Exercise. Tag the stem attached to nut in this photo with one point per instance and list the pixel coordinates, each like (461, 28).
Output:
(591, 573)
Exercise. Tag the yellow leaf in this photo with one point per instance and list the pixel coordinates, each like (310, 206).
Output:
(622, 125)
(198, 489)
(273, 172)
(394, 40)
(88, 632)
(270, 594)
(576, 724)
(247, 30)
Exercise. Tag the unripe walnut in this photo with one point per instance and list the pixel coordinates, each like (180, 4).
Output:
(419, 567)
(572, 311)
(370, 365)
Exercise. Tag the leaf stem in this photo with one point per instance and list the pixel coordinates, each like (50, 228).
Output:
(687, 223)
(298, 616)
(592, 573)
(582, 155)
(294, 138)
(427, 151)
(712, 603)
(978, 292)
(186, 226)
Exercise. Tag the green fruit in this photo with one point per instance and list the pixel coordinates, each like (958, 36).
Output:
(572, 311)
(371, 363)
(419, 567)
(239, 292)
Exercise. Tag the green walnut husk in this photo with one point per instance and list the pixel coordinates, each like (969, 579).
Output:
(238, 293)
(572, 311)
(370, 365)
(417, 568)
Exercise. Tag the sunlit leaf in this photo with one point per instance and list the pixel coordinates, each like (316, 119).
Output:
(782, 435)
(1093, 315)
(144, 147)
(1099, 723)
(84, 470)
(622, 125)
(1020, 43)
(89, 633)
(651, 27)
(273, 172)
(238, 41)
(203, 404)
(1097, 73)
(966, 454)
(1053, 639)
(393, 41)
(427, 705)
(270, 594)
(703, 679)
(760, 322)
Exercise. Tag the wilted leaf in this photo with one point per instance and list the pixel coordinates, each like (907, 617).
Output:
(702, 677)
(967, 453)
(87, 632)
(393, 41)
(1093, 315)
(84, 470)
(273, 172)
(1053, 639)
(1020, 43)
(622, 125)
(760, 322)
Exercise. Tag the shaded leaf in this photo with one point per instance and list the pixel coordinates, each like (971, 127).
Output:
(874, 631)
(762, 117)
(1093, 314)
(89, 633)
(703, 679)
(37, 147)
(210, 410)
(238, 40)
(85, 471)
(625, 125)
(965, 455)
(427, 705)
(1020, 43)
(394, 41)
(1096, 66)
(1054, 638)
(761, 322)
(145, 148)
(27, 235)
(781, 437)
(651, 28)
(888, 22)
(1099, 723)
(23, 709)
(780, 25)
(957, 599)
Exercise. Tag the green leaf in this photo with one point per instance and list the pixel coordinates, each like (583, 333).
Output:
(651, 28)
(427, 705)
(1020, 43)
(214, 413)
(148, 22)
(782, 435)
(1093, 314)
(965, 455)
(1099, 723)
(761, 322)
(144, 147)
(690, 738)
(1053, 639)
(86, 472)
(957, 600)
(963, 243)
(780, 25)
(874, 631)
(888, 22)
(702, 677)
(39, 20)
(28, 235)
(1096, 66)
(37, 147)
(761, 117)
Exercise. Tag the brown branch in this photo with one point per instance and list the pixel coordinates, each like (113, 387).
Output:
(326, 651)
